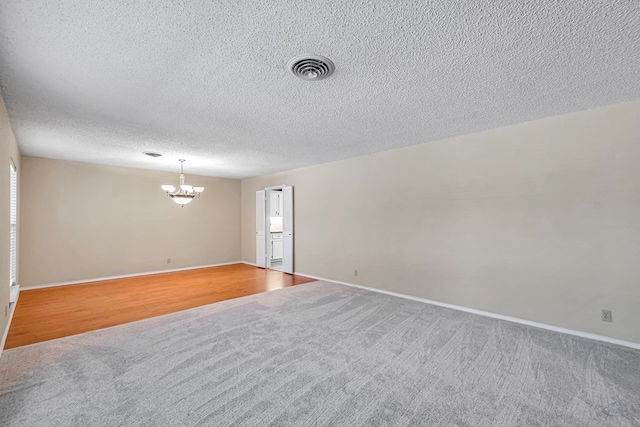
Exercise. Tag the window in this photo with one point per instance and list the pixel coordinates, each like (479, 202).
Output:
(13, 226)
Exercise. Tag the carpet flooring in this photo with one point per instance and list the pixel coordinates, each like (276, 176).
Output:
(320, 354)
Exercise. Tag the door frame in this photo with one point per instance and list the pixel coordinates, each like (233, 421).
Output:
(267, 210)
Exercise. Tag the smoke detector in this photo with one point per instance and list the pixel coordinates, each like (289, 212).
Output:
(311, 67)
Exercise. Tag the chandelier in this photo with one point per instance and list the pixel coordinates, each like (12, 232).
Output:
(185, 193)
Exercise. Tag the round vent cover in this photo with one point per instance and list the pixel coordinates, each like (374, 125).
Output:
(152, 154)
(311, 67)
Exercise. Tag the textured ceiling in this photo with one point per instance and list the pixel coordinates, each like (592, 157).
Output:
(208, 81)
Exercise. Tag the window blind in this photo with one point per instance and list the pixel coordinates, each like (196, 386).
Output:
(13, 225)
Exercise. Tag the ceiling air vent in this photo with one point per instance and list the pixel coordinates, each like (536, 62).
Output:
(152, 154)
(311, 67)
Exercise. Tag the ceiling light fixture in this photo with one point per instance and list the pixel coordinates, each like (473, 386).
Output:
(311, 67)
(185, 193)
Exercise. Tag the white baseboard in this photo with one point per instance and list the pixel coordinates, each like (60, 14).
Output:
(12, 309)
(146, 273)
(396, 294)
(249, 263)
(487, 314)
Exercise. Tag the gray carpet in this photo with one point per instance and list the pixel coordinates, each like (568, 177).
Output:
(320, 354)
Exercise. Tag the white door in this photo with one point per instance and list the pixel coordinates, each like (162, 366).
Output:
(287, 230)
(261, 238)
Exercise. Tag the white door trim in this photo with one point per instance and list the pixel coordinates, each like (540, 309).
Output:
(261, 225)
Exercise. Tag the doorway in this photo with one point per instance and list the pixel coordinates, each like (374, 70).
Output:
(274, 228)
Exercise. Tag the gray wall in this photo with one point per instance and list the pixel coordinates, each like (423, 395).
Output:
(85, 221)
(539, 221)
(8, 152)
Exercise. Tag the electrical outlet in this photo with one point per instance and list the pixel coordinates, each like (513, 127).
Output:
(355, 273)
(168, 260)
(607, 316)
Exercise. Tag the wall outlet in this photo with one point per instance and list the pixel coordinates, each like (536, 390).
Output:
(355, 273)
(607, 316)
(168, 260)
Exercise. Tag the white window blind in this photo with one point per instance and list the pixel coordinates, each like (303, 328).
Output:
(13, 225)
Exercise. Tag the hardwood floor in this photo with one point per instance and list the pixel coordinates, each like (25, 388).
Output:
(45, 314)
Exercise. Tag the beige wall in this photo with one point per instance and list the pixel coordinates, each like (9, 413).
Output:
(539, 221)
(8, 152)
(84, 221)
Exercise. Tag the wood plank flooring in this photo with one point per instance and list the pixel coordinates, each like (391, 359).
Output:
(45, 314)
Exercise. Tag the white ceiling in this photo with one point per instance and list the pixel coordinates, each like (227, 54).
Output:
(208, 81)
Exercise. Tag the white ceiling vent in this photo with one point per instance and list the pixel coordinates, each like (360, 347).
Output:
(311, 67)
